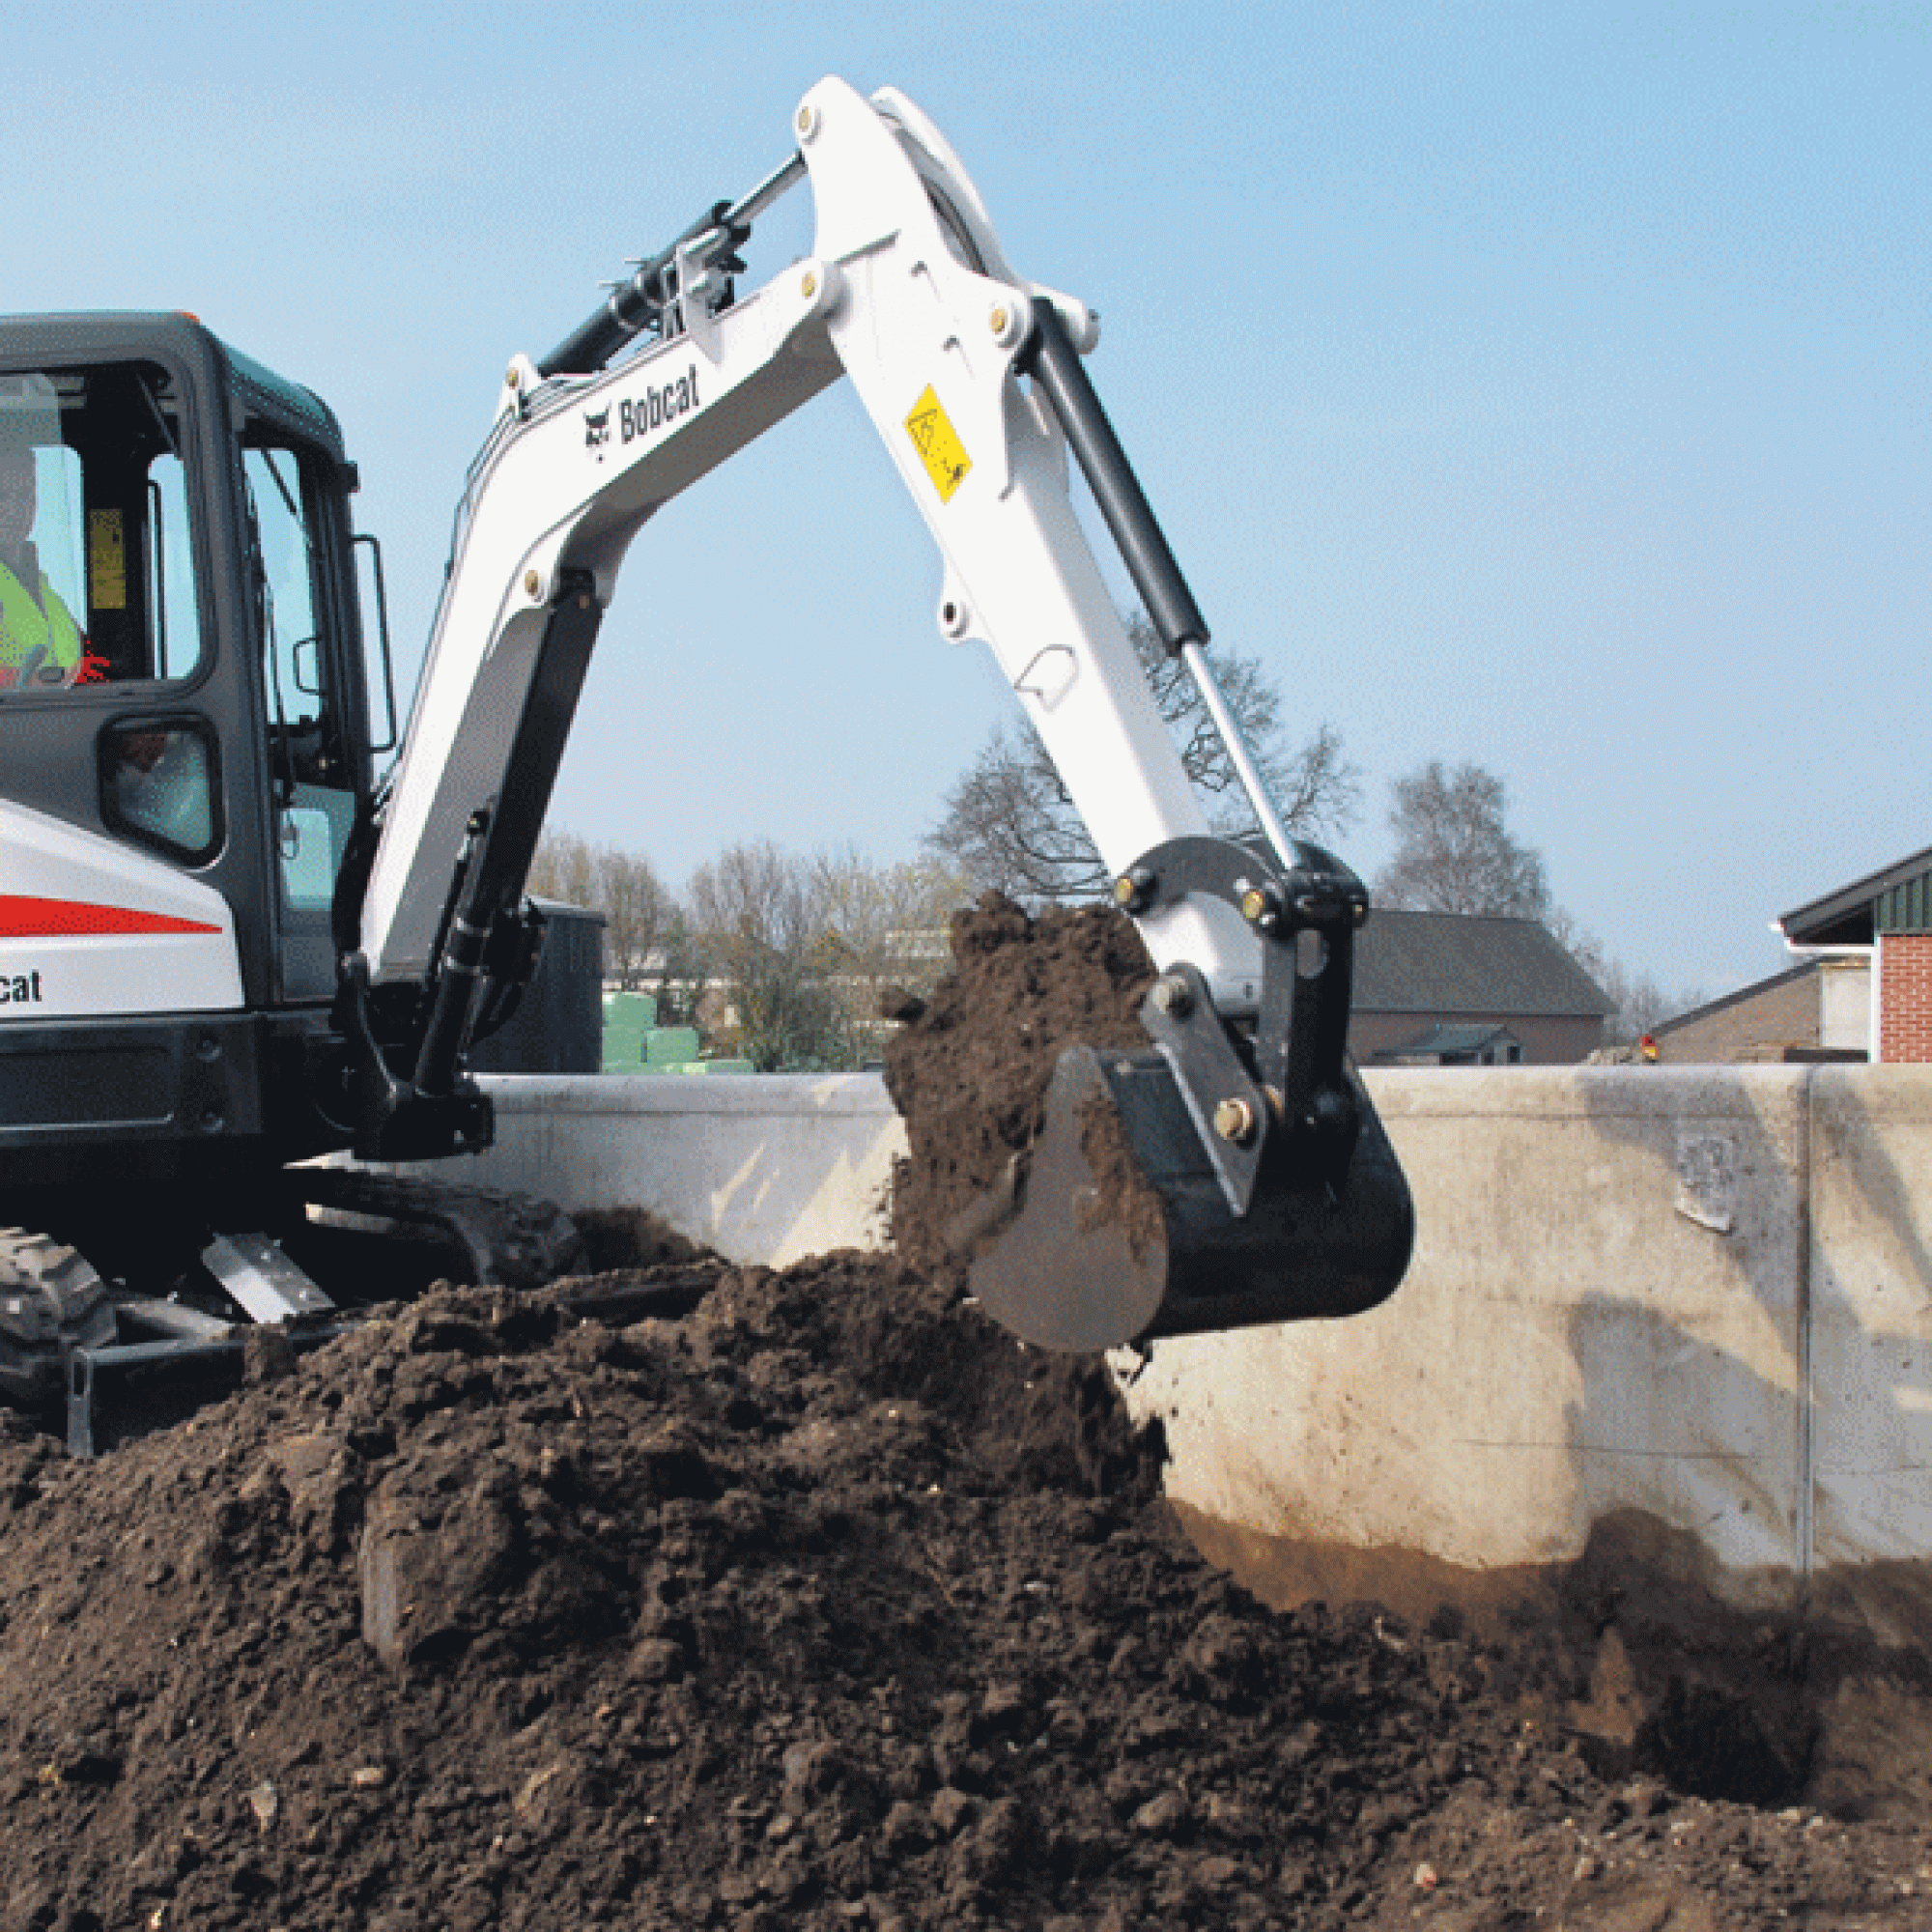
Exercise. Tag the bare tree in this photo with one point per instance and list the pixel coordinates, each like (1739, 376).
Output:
(1640, 1003)
(796, 952)
(682, 970)
(1454, 852)
(885, 929)
(639, 912)
(754, 915)
(1009, 824)
(565, 868)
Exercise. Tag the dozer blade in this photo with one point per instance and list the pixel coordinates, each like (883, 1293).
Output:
(1118, 1226)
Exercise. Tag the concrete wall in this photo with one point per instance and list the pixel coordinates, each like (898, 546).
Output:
(762, 1168)
(1606, 1310)
(1703, 1292)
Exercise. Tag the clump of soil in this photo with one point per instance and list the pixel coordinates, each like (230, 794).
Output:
(968, 1070)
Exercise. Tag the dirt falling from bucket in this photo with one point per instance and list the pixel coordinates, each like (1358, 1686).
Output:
(969, 1069)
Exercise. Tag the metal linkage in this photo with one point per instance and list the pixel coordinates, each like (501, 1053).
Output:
(696, 266)
(1297, 1087)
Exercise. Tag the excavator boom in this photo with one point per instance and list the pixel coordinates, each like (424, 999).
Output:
(229, 944)
(1279, 1194)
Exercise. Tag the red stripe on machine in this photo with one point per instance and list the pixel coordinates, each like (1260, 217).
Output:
(74, 919)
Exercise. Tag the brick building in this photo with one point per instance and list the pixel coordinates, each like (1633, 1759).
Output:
(1447, 989)
(1886, 920)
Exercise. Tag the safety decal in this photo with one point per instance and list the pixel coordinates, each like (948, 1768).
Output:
(938, 445)
(107, 561)
(22, 918)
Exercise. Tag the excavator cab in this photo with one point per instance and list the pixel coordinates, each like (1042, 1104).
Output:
(184, 753)
(185, 743)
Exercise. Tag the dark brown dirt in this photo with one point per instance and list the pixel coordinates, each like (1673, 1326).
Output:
(969, 1069)
(692, 1596)
(814, 1606)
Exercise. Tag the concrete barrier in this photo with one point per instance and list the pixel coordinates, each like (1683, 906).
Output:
(1869, 1355)
(1659, 1385)
(761, 1168)
(1605, 1311)
(1704, 1293)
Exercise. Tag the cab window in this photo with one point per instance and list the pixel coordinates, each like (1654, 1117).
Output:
(158, 785)
(314, 799)
(97, 568)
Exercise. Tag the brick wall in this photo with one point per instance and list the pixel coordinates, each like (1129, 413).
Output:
(1905, 997)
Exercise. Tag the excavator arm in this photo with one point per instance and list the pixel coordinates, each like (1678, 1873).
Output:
(1279, 1195)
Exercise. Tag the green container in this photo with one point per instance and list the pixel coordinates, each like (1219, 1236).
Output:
(666, 1047)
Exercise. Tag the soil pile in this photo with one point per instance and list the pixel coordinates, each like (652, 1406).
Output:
(694, 1596)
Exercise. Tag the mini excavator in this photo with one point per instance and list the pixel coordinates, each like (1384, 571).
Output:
(236, 935)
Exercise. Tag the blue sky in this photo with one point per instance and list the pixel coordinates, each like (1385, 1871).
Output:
(1547, 385)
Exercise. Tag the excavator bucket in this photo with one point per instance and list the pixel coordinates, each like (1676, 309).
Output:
(1223, 1177)
(1118, 1228)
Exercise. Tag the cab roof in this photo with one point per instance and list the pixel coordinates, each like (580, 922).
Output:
(255, 390)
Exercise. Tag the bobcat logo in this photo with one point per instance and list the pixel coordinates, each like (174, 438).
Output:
(597, 430)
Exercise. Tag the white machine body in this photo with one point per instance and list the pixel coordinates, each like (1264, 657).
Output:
(91, 929)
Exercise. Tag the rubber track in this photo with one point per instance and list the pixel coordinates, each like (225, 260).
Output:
(51, 1296)
(512, 1240)
(57, 1281)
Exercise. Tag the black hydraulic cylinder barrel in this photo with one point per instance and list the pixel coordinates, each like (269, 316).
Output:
(634, 305)
(1053, 363)
(600, 335)
(500, 869)
(450, 1016)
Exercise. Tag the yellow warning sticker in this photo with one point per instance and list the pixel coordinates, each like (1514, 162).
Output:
(107, 561)
(938, 445)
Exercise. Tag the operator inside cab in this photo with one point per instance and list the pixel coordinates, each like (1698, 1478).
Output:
(40, 642)
(77, 504)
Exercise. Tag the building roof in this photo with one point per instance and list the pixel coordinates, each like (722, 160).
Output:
(1449, 1041)
(1848, 915)
(1445, 962)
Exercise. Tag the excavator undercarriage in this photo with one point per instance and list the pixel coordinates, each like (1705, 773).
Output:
(175, 1314)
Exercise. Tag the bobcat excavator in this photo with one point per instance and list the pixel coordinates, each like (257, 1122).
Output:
(229, 944)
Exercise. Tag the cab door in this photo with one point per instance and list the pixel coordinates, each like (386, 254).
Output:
(301, 598)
